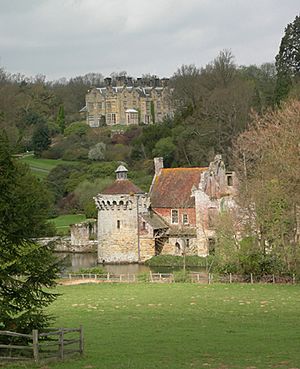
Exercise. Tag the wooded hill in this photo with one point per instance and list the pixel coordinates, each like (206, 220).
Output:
(213, 105)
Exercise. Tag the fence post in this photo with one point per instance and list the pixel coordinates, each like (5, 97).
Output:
(35, 344)
(294, 280)
(120, 277)
(198, 277)
(70, 276)
(251, 278)
(230, 278)
(159, 276)
(273, 278)
(107, 277)
(151, 276)
(61, 343)
(81, 343)
(208, 278)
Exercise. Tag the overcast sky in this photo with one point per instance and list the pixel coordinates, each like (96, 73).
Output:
(65, 38)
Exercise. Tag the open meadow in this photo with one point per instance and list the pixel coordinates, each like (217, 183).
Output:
(42, 167)
(181, 326)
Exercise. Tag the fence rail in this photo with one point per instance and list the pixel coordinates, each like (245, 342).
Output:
(44, 345)
(194, 277)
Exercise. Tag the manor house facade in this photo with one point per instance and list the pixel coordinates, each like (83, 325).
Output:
(129, 102)
(177, 216)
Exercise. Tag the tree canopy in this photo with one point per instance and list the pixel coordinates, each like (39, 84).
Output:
(26, 268)
(288, 59)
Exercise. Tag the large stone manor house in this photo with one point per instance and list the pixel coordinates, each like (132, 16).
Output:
(129, 102)
(177, 216)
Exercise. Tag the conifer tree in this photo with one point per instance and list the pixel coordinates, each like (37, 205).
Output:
(26, 268)
(288, 59)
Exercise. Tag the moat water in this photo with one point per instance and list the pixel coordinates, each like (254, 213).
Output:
(75, 261)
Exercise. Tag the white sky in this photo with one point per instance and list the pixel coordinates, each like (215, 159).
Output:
(65, 38)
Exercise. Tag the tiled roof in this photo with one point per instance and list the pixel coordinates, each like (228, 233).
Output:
(155, 221)
(172, 187)
(121, 186)
(182, 231)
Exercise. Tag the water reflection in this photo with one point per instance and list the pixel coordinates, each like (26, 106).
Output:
(73, 262)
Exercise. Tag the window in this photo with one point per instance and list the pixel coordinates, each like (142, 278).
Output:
(118, 224)
(211, 246)
(229, 180)
(143, 226)
(212, 215)
(185, 218)
(111, 118)
(174, 216)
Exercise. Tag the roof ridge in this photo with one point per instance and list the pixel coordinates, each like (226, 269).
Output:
(186, 168)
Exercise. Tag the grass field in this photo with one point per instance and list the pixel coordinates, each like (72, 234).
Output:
(182, 326)
(42, 167)
(63, 222)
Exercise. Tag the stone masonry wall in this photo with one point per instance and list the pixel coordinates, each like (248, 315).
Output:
(63, 244)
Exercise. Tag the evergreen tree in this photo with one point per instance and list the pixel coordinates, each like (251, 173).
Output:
(61, 118)
(40, 139)
(288, 59)
(26, 268)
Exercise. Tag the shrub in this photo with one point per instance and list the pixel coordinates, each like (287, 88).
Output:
(76, 128)
(76, 153)
(97, 152)
(143, 277)
(93, 270)
(181, 276)
(55, 152)
(177, 261)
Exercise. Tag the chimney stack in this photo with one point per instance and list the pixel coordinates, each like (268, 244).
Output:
(158, 165)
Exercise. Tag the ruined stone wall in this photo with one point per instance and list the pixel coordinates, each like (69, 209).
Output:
(63, 244)
(83, 233)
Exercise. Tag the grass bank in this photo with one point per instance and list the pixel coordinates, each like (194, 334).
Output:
(178, 261)
(62, 223)
(42, 167)
(181, 326)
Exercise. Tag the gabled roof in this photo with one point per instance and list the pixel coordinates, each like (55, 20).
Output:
(121, 187)
(172, 187)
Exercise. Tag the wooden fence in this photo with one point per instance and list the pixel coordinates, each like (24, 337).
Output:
(195, 277)
(39, 346)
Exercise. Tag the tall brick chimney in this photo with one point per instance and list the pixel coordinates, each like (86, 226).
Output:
(158, 165)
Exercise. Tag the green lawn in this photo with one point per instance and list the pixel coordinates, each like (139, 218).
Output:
(182, 326)
(42, 167)
(63, 222)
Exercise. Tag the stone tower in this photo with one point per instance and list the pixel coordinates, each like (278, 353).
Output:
(119, 208)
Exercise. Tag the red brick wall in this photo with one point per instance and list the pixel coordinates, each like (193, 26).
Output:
(166, 214)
